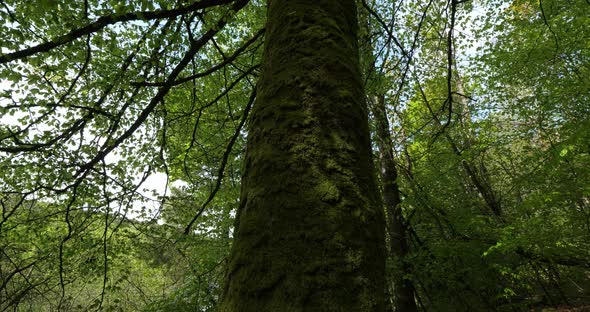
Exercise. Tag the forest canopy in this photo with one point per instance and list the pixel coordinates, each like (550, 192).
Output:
(124, 125)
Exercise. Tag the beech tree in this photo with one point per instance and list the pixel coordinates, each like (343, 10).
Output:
(217, 155)
(309, 230)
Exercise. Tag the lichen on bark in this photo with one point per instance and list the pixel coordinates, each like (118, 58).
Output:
(309, 232)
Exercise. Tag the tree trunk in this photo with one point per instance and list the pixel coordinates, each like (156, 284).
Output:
(403, 291)
(479, 178)
(309, 232)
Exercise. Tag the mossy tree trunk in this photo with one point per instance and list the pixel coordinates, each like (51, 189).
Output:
(403, 292)
(309, 232)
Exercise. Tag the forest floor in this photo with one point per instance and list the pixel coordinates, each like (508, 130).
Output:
(562, 308)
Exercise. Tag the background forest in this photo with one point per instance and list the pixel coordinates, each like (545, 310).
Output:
(123, 128)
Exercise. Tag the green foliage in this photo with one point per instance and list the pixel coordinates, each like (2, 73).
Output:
(492, 150)
(118, 91)
(490, 124)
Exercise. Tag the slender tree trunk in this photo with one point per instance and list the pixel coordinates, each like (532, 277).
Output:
(309, 232)
(480, 178)
(403, 291)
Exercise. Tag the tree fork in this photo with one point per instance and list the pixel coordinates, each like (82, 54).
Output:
(309, 233)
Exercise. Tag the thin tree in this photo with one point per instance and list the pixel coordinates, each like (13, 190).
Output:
(403, 292)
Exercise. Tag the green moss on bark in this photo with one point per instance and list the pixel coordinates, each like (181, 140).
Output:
(309, 233)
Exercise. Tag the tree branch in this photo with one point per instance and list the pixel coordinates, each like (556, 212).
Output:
(194, 48)
(211, 69)
(221, 170)
(105, 21)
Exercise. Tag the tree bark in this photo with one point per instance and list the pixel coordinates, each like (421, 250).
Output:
(403, 291)
(309, 233)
